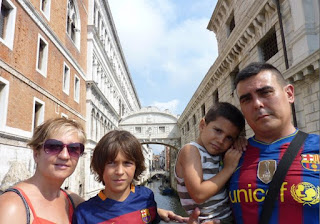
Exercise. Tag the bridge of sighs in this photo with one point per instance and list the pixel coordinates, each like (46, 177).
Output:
(152, 126)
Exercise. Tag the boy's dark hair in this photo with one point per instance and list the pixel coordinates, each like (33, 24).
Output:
(255, 68)
(108, 148)
(227, 111)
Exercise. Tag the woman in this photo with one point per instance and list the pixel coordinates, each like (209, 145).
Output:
(57, 145)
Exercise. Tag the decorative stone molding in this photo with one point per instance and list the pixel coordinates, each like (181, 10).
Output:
(225, 61)
(309, 66)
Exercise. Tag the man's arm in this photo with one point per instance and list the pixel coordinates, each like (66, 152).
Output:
(193, 219)
(168, 216)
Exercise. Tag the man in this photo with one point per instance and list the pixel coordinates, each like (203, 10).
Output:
(265, 101)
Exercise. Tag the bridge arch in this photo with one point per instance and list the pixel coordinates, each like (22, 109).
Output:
(160, 143)
(152, 126)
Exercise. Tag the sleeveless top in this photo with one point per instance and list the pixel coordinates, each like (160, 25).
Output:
(27, 204)
(217, 206)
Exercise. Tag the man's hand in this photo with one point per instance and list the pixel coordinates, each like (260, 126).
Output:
(168, 216)
(193, 219)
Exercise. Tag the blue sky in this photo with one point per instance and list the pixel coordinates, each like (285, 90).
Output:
(167, 47)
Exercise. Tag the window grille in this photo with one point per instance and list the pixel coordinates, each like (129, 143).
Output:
(269, 46)
(162, 129)
(203, 110)
(231, 25)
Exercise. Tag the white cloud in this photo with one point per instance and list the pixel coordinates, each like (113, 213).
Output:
(140, 26)
(170, 105)
(168, 51)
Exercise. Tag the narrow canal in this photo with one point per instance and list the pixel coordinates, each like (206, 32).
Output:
(169, 202)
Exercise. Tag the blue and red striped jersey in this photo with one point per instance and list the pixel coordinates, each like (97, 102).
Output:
(298, 199)
(139, 207)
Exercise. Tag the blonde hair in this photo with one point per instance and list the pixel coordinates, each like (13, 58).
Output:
(52, 127)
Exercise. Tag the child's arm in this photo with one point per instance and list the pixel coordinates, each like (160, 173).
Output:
(189, 162)
(241, 143)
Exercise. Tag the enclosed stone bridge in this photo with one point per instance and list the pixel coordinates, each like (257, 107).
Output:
(159, 172)
(152, 126)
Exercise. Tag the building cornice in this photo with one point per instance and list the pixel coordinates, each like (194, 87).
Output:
(102, 55)
(304, 68)
(101, 97)
(115, 33)
(241, 36)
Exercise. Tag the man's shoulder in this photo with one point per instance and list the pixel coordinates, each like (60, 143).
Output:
(313, 139)
(314, 136)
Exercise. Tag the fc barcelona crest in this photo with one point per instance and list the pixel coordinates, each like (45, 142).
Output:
(310, 162)
(145, 215)
(266, 170)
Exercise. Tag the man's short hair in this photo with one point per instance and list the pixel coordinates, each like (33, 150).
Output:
(257, 67)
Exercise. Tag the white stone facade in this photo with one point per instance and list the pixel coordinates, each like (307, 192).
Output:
(152, 126)
(110, 91)
(242, 28)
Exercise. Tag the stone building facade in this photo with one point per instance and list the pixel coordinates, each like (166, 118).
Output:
(59, 58)
(152, 126)
(110, 91)
(43, 47)
(284, 33)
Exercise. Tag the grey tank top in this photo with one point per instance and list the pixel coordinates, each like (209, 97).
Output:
(217, 206)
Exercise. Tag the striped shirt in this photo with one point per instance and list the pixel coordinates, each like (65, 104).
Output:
(217, 206)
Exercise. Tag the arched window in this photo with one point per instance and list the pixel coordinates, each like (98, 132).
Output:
(105, 130)
(101, 128)
(97, 127)
(73, 23)
(93, 126)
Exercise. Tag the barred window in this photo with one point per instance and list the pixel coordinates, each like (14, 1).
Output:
(45, 7)
(188, 126)
(7, 22)
(203, 110)
(230, 24)
(162, 129)
(42, 56)
(4, 96)
(215, 97)
(38, 112)
(233, 75)
(76, 89)
(3, 20)
(73, 23)
(138, 129)
(269, 46)
(66, 79)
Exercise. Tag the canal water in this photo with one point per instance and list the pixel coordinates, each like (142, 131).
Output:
(168, 202)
